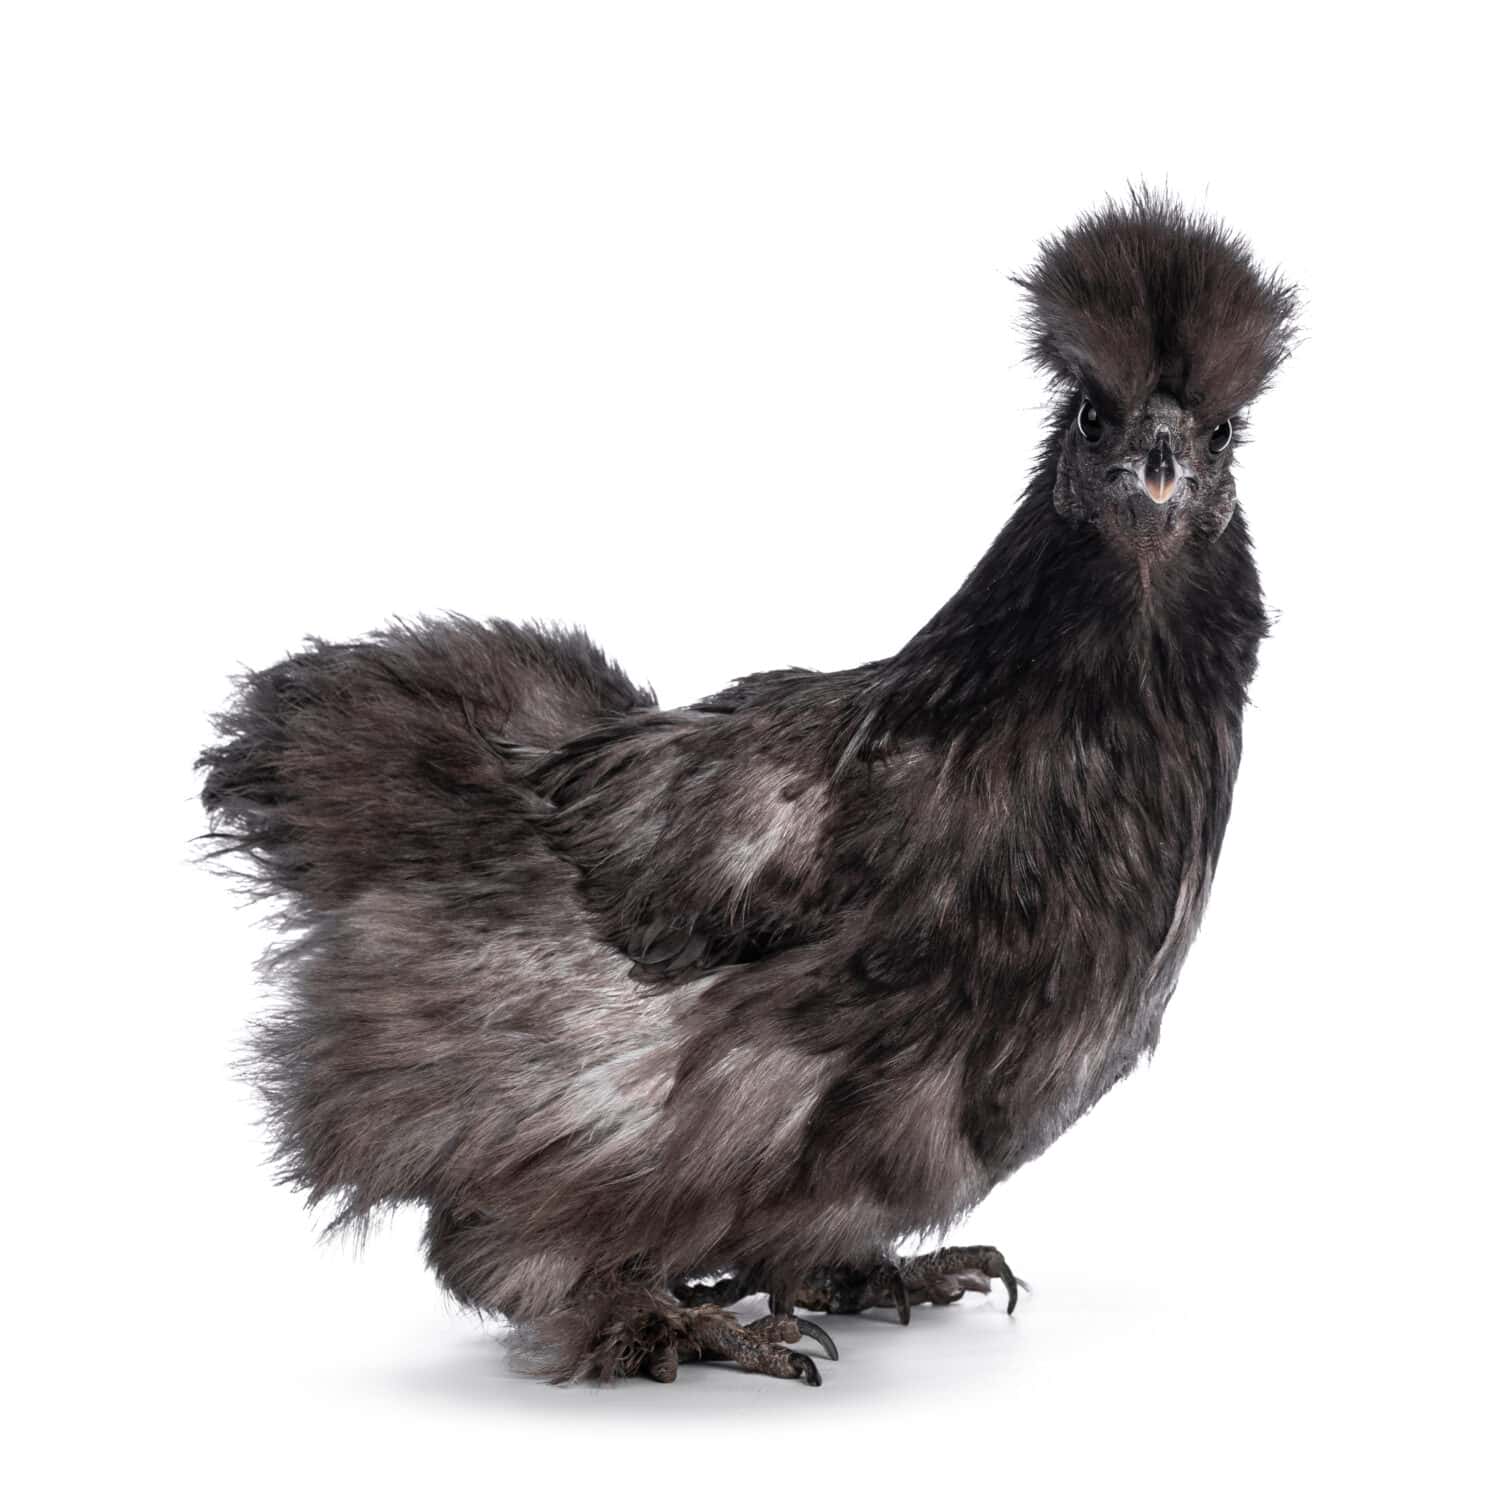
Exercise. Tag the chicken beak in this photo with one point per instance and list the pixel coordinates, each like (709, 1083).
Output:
(1158, 474)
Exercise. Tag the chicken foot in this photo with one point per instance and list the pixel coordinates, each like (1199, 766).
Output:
(940, 1277)
(709, 1332)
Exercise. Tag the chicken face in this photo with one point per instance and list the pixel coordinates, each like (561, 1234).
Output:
(1158, 330)
(1149, 478)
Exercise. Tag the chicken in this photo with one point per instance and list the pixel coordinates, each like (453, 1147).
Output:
(651, 1009)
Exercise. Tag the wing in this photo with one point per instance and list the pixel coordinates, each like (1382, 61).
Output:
(707, 836)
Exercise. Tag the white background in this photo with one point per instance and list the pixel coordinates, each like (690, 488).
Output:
(692, 324)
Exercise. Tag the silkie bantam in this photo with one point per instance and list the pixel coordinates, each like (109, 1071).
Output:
(653, 1010)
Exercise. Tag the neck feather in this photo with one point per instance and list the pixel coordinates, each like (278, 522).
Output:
(1053, 611)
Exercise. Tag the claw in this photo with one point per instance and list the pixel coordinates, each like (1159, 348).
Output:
(886, 1278)
(1011, 1282)
(805, 1366)
(819, 1336)
(992, 1263)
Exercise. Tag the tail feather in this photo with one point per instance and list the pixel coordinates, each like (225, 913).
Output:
(395, 756)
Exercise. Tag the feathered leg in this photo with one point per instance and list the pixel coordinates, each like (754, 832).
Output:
(604, 1324)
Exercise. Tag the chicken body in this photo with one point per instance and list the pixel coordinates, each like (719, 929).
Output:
(761, 986)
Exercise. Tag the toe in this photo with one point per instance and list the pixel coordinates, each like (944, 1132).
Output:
(969, 1281)
(887, 1288)
(902, 1299)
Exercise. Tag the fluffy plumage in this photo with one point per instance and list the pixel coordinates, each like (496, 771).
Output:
(763, 985)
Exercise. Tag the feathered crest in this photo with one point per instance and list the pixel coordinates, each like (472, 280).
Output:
(1145, 296)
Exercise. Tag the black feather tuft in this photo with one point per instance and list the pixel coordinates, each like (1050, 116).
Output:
(1146, 296)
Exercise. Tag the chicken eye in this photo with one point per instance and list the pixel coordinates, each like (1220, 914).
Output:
(1090, 423)
(1218, 439)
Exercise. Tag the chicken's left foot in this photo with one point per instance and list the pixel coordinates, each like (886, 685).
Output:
(941, 1277)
